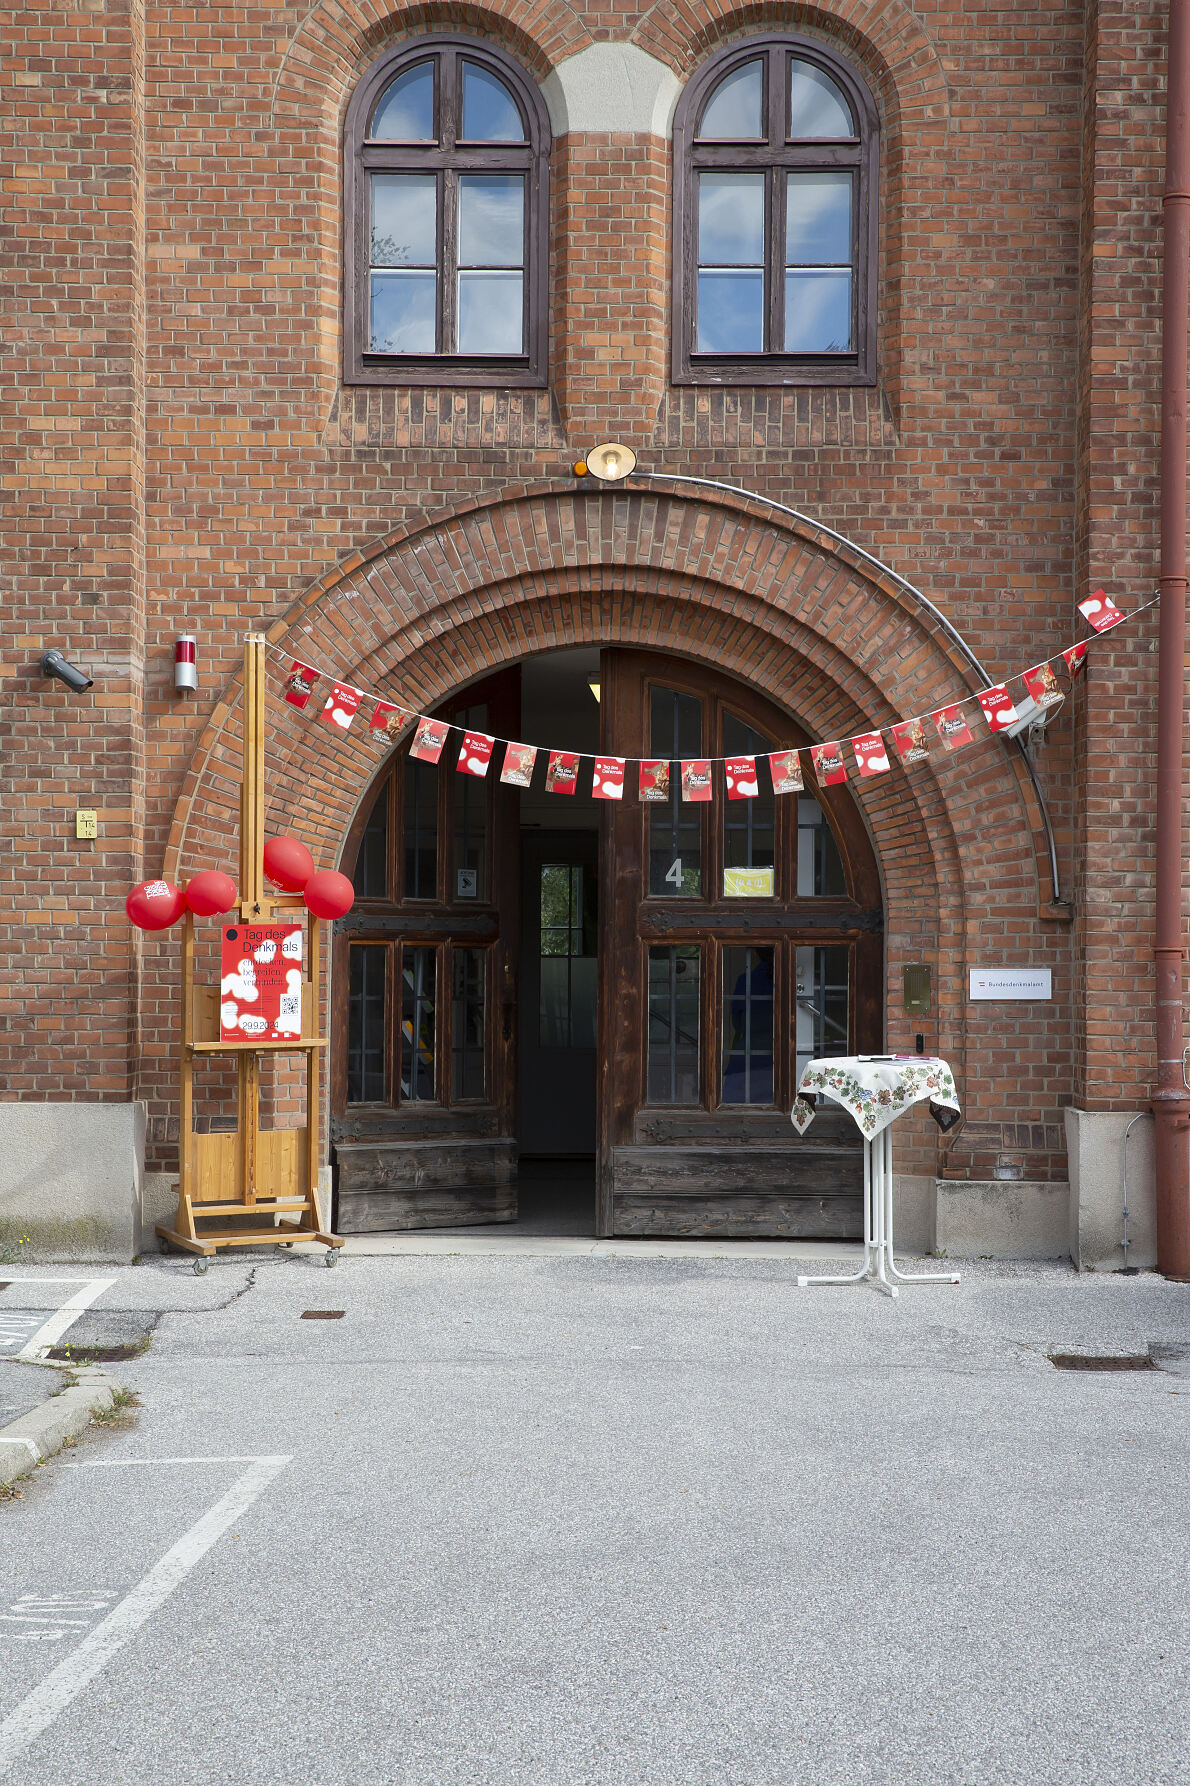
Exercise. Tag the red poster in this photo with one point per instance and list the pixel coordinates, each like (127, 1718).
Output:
(1100, 611)
(518, 765)
(390, 719)
(786, 770)
(871, 756)
(952, 727)
(1073, 657)
(429, 739)
(696, 778)
(1042, 684)
(998, 709)
(607, 781)
(299, 683)
(653, 780)
(260, 991)
(341, 706)
(561, 772)
(475, 753)
(828, 762)
(740, 776)
(910, 740)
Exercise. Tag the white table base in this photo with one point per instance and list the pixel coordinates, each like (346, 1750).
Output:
(878, 1228)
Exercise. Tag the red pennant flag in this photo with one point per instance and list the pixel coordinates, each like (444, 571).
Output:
(871, 756)
(300, 683)
(653, 779)
(1042, 684)
(518, 765)
(607, 779)
(1073, 657)
(1100, 611)
(828, 763)
(390, 719)
(743, 783)
(475, 753)
(341, 706)
(998, 709)
(952, 727)
(785, 767)
(429, 739)
(696, 778)
(561, 772)
(910, 740)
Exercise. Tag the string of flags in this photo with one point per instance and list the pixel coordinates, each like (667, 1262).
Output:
(911, 738)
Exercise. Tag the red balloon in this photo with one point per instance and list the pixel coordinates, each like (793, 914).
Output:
(288, 863)
(210, 892)
(328, 894)
(154, 905)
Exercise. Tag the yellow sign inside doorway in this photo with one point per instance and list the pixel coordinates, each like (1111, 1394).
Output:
(748, 883)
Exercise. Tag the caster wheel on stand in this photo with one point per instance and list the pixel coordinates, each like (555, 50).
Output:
(332, 1258)
(201, 1266)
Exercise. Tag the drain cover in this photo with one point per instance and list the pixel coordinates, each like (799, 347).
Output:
(321, 1314)
(1088, 1361)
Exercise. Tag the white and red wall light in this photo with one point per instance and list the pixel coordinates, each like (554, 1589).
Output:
(186, 664)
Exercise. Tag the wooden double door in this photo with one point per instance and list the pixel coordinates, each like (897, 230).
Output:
(722, 943)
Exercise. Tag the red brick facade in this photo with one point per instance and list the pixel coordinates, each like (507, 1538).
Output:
(179, 454)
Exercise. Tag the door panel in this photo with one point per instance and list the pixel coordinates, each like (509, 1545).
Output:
(423, 1119)
(738, 938)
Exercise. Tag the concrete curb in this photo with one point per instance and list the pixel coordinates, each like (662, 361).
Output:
(25, 1442)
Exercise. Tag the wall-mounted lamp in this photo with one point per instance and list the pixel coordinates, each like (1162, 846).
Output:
(610, 463)
(186, 664)
(54, 664)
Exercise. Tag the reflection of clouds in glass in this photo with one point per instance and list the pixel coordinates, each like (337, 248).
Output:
(406, 110)
(490, 313)
(730, 312)
(818, 219)
(491, 220)
(818, 312)
(404, 220)
(730, 220)
(816, 106)
(734, 110)
(403, 313)
(490, 112)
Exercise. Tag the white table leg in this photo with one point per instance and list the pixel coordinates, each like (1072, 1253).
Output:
(865, 1269)
(884, 1142)
(880, 1215)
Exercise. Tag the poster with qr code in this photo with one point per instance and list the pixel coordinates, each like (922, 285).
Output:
(260, 988)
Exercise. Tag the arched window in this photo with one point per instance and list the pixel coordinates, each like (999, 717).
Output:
(776, 160)
(445, 200)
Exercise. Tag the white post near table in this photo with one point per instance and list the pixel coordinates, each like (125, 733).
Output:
(875, 1089)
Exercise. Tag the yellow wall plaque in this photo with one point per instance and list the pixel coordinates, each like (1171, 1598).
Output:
(748, 883)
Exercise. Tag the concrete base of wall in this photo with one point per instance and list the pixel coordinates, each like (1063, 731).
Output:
(71, 1182)
(913, 1214)
(1095, 1149)
(1001, 1219)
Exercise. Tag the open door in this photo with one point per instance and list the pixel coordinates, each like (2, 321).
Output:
(424, 1044)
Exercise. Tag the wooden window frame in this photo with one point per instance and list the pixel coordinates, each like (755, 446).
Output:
(775, 157)
(361, 159)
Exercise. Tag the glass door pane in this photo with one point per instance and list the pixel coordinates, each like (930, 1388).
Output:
(367, 1021)
(749, 826)
(748, 1026)
(418, 1025)
(822, 1028)
(675, 827)
(673, 1076)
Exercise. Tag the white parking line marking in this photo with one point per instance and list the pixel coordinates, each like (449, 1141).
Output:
(125, 1463)
(66, 1314)
(65, 1682)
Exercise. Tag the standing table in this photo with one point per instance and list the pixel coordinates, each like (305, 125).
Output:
(875, 1089)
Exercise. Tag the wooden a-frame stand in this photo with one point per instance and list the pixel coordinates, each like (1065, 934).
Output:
(268, 1178)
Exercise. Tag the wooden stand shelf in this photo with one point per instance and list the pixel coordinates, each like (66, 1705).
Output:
(269, 1177)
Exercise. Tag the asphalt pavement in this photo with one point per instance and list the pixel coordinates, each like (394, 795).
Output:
(596, 1521)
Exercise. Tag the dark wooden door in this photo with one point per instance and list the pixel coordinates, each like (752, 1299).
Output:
(559, 994)
(738, 939)
(424, 1074)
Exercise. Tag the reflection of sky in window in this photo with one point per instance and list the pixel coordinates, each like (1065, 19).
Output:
(406, 110)
(818, 228)
(734, 110)
(404, 220)
(490, 113)
(730, 312)
(818, 311)
(490, 313)
(730, 220)
(403, 313)
(491, 220)
(816, 106)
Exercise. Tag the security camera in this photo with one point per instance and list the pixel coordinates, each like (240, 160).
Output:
(54, 664)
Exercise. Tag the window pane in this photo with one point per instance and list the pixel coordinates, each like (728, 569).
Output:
(749, 837)
(819, 865)
(490, 113)
(817, 311)
(370, 879)
(421, 829)
(467, 1024)
(469, 797)
(492, 220)
(730, 312)
(747, 1026)
(673, 1025)
(491, 313)
(367, 1018)
(404, 220)
(735, 108)
(730, 220)
(821, 996)
(404, 313)
(675, 829)
(406, 110)
(816, 106)
(418, 1040)
(818, 220)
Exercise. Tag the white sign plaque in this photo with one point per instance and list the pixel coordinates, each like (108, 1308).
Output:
(1006, 983)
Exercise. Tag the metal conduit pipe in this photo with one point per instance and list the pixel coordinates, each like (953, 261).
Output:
(952, 632)
(1171, 1101)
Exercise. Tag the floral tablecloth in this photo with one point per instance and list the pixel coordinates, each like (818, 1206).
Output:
(874, 1088)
